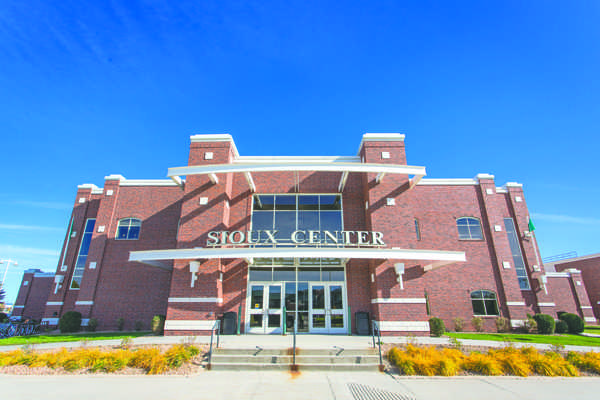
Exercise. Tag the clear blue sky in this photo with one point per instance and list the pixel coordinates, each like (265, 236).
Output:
(93, 88)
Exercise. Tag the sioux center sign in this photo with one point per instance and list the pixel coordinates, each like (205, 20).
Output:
(323, 238)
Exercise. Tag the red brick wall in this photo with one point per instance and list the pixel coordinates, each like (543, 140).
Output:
(33, 295)
(590, 273)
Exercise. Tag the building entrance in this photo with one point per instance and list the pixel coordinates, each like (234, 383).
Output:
(317, 306)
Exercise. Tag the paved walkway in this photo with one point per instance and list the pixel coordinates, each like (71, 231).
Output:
(303, 341)
(283, 386)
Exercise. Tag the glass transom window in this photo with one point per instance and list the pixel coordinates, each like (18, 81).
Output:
(129, 229)
(287, 213)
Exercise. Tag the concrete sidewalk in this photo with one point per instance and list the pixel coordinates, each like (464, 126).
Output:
(303, 341)
(282, 385)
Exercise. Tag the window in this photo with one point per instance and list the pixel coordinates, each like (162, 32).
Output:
(469, 228)
(484, 303)
(515, 249)
(84, 248)
(129, 229)
(417, 229)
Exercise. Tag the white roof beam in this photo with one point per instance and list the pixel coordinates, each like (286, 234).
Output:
(213, 178)
(343, 180)
(177, 180)
(380, 177)
(414, 180)
(250, 181)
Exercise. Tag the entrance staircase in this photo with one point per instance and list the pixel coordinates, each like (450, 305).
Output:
(313, 359)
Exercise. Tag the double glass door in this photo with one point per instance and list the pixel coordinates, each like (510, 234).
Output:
(315, 307)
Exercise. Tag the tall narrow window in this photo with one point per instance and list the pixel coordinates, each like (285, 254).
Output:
(515, 249)
(84, 247)
(417, 229)
(469, 228)
(484, 302)
(129, 229)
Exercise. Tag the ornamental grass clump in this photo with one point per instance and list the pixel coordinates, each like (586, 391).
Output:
(512, 361)
(482, 364)
(426, 361)
(585, 361)
(548, 364)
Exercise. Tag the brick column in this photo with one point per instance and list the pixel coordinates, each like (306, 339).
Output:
(495, 210)
(398, 310)
(205, 208)
(581, 296)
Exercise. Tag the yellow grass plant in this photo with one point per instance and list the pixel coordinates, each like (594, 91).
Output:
(150, 360)
(428, 361)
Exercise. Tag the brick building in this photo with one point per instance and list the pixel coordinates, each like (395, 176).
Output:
(305, 240)
(33, 294)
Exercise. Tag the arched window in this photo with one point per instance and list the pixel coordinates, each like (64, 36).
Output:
(469, 228)
(484, 302)
(129, 229)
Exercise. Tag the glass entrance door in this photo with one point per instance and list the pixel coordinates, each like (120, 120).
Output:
(327, 310)
(265, 308)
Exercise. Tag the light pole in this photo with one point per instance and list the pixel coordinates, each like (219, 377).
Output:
(6, 269)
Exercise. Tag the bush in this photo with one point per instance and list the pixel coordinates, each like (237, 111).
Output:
(3, 318)
(559, 313)
(139, 325)
(92, 325)
(158, 324)
(561, 326)
(502, 325)
(528, 325)
(459, 324)
(545, 324)
(120, 323)
(574, 322)
(436, 327)
(477, 323)
(70, 322)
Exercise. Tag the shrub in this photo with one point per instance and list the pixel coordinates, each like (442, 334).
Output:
(3, 318)
(477, 323)
(545, 324)
(528, 325)
(513, 362)
(482, 364)
(92, 325)
(158, 324)
(459, 324)
(574, 322)
(585, 361)
(502, 325)
(436, 327)
(139, 325)
(70, 322)
(561, 326)
(559, 313)
(120, 323)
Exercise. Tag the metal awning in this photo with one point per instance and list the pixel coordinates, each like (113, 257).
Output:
(435, 258)
(292, 164)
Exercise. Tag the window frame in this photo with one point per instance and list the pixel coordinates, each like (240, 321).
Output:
(483, 300)
(129, 226)
(470, 238)
(80, 266)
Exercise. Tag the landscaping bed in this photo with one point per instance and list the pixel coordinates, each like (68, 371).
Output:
(182, 359)
(526, 361)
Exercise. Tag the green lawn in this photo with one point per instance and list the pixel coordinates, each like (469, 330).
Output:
(595, 329)
(565, 339)
(69, 337)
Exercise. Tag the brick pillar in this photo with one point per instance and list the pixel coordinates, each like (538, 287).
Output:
(541, 299)
(495, 210)
(104, 230)
(399, 310)
(21, 301)
(193, 309)
(61, 298)
(581, 296)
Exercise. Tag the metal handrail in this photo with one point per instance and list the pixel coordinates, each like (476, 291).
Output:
(294, 366)
(375, 326)
(217, 327)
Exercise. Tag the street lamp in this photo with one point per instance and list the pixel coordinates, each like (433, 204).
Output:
(6, 269)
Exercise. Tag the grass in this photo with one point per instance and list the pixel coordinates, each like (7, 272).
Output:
(68, 337)
(595, 329)
(565, 339)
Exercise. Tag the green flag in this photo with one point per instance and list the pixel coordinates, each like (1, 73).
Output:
(530, 225)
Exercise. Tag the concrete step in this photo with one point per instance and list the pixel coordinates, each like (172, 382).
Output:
(219, 366)
(299, 351)
(306, 359)
(300, 359)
